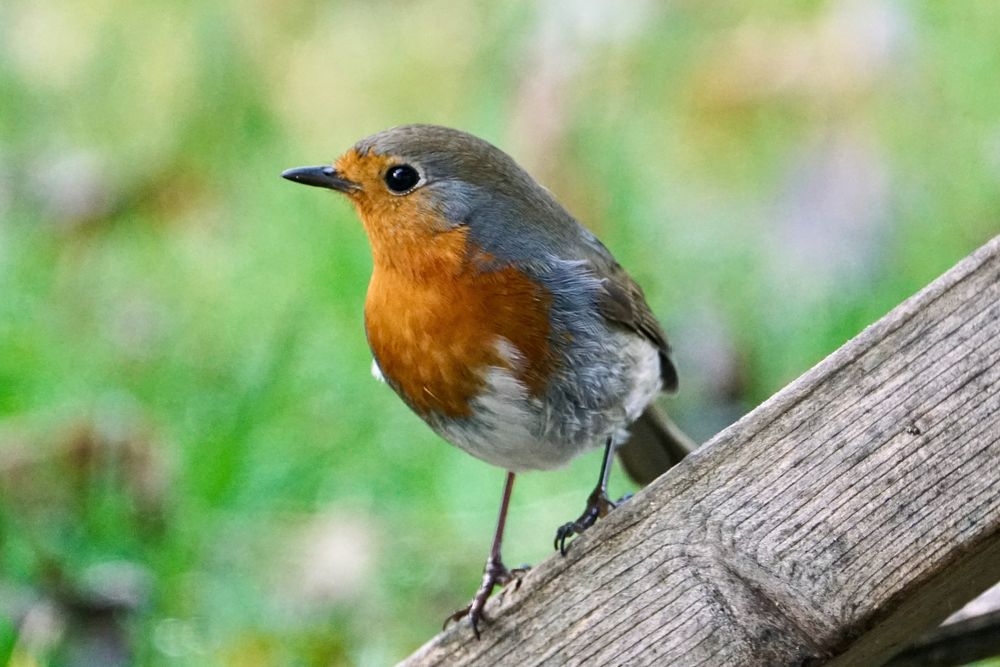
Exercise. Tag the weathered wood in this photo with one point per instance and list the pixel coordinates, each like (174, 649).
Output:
(856, 508)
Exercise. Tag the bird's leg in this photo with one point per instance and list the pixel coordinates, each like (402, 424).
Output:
(495, 573)
(598, 504)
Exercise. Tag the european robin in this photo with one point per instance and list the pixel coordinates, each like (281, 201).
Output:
(500, 320)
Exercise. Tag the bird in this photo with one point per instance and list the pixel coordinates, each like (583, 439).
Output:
(501, 321)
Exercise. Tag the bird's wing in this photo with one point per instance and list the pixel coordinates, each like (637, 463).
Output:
(623, 303)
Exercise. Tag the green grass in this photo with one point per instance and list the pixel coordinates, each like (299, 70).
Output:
(184, 380)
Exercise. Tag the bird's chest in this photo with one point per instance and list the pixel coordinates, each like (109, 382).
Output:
(436, 339)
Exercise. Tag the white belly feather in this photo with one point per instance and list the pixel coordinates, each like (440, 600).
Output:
(516, 431)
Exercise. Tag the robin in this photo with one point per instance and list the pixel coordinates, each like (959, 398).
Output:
(500, 320)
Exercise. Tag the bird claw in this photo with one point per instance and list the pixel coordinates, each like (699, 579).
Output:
(598, 505)
(473, 610)
(494, 574)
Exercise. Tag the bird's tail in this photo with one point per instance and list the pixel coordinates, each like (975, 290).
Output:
(655, 445)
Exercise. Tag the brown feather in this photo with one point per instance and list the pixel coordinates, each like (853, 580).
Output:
(624, 303)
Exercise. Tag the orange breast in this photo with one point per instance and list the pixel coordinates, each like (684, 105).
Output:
(435, 333)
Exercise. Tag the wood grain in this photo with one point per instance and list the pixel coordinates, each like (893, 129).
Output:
(853, 510)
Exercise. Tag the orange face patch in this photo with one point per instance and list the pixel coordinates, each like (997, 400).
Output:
(395, 224)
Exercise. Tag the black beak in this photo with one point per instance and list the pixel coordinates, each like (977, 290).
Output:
(321, 177)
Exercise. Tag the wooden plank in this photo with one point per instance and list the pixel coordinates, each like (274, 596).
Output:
(856, 508)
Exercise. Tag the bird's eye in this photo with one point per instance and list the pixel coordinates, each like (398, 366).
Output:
(401, 178)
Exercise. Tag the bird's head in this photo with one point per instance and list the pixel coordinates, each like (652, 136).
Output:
(415, 183)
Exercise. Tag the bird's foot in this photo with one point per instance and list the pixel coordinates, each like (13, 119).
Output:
(494, 574)
(598, 505)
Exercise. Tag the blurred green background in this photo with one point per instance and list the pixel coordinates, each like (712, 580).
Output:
(196, 467)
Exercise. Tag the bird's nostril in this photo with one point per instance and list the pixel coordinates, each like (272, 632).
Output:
(329, 171)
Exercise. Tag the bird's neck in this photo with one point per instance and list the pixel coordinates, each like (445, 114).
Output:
(416, 253)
